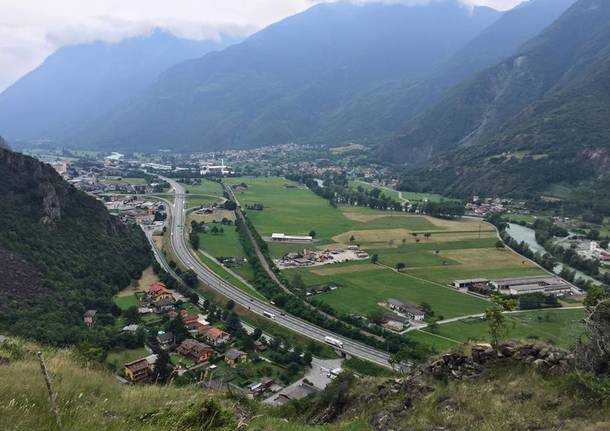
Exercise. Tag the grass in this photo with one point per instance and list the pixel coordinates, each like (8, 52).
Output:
(293, 209)
(559, 327)
(360, 291)
(223, 244)
(223, 273)
(119, 358)
(120, 180)
(206, 187)
(125, 302)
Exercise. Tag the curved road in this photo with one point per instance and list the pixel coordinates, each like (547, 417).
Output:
(182, 252)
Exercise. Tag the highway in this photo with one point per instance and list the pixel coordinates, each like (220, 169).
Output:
(183, 253)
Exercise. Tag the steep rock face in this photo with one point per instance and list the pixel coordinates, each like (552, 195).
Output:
(69, 245)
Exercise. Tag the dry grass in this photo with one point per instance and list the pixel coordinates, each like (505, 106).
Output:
(347, 269)
(146, 280)
(486, 258)
(384, 238)
(217, 216)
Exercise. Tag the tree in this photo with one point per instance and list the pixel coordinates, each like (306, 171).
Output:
(233, 323)
(230, 304)
(312, 233)
(375, 258)
(307, 358)
(190, 278)
(376, 315)
(176, 327)
(499, 244)
(257, 333)
(400, 266)
(352, 239)
(427, 235)
(131, 314)
(297, 282)
(496, 320)
(194, 240)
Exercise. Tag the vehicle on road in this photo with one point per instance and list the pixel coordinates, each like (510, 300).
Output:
(269, 315)
(333, 341)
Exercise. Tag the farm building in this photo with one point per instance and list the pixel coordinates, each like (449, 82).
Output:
(410, 309)
(547, 284)
(465, 284)
(281, 237)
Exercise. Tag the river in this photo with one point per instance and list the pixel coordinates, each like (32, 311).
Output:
(521, 233)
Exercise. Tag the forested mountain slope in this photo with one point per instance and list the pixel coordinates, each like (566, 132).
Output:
(285, 82)
(61, 253)
(79, 83)
(537, 118)
(388, 109)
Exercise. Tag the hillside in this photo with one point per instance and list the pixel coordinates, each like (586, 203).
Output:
(535, 119)
(389, 108)
(61, 253)
(289, 81)
(79, 83)
(500, 396)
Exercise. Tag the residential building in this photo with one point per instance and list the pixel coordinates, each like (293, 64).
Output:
(89, 318)
(158, 291)
(196, 350)
(140, 369)
(166, 340)
(163, 305)
(216, 337)
(234, 357)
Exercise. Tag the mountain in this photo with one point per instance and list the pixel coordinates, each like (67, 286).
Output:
(61, 253)
(283, 83)
(389, 108)
(79, 83)
(537, 118)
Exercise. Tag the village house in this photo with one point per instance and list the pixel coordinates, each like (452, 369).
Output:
(89, 318)
(409, 309)
(216, 337)
(166, 340)
(196, 350)
(259, 346)
(163, 305)
(158, 291)
(234, 357)
(140, 369)
(194, 322)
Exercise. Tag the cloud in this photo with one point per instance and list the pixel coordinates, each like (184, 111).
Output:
(30, 30)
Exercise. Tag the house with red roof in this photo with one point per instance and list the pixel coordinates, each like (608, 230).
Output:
(197, 350)
(216, 337)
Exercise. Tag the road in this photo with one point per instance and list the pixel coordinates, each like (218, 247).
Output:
(182, 252)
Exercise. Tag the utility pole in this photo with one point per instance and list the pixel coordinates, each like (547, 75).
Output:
(52, 396)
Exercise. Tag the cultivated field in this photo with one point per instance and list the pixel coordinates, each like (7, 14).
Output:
(434, 251)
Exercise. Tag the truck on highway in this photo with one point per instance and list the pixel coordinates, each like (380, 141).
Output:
(269, 315)
(334, 342)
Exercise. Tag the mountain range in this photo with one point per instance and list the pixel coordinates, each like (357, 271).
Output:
(535, 119)
(77, 84)
(287, 82)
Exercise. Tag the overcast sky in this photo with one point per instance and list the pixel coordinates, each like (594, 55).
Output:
(30, 30)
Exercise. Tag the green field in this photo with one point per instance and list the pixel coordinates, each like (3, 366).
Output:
(119, 358)
(224, 244)
(360, 291)
(120, 180)
(559, 327)
(293, 209)
(223, 273)
(206, 187)
(454, 249)
(125, 302)
(396, 195)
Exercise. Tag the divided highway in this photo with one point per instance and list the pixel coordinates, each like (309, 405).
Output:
(207, 276)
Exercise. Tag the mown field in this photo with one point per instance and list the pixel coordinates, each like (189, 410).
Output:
(206, 193)
(434, 251)
(394, 194)
(559, 327)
